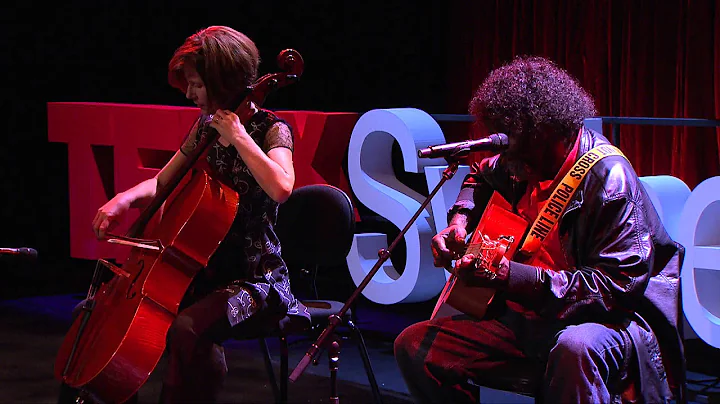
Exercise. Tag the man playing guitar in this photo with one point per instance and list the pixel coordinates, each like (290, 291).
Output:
(575, 295)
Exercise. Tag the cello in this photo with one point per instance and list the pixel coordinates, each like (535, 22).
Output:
(118, 338)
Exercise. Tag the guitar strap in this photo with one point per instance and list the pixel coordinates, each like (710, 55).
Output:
(555, 206)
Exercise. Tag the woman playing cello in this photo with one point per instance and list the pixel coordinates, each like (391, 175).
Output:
(245, 288)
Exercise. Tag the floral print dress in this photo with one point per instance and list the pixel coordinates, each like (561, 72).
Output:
(248, 260)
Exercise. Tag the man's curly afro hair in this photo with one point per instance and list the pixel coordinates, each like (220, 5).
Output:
(532, 98)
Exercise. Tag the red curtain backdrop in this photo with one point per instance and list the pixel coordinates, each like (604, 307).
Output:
(639, 58)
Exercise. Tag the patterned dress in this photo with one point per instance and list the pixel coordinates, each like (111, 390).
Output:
(248, 260)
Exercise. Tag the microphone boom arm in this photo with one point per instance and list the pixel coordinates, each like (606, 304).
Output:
(383, 254)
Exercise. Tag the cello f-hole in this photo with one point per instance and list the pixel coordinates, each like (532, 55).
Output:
(130, 291)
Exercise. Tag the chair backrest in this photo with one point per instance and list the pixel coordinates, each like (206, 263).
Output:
(316, 226)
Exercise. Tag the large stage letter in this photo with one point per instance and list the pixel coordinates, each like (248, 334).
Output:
(119, 145)
(700, 277)
(375, 185)
(668, 194)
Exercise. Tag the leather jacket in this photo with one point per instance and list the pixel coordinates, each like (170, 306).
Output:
(626, 266)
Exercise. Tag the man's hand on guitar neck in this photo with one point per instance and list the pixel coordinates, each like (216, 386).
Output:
(449, 244)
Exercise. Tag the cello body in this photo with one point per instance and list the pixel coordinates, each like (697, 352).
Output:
(122, 341)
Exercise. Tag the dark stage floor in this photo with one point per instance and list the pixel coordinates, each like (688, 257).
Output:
(33, 328)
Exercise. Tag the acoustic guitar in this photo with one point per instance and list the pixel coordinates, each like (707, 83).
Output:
(498, 234)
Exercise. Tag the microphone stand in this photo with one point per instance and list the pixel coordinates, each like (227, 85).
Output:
(383, 254)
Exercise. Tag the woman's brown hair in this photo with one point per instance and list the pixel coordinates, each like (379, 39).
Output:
(226, 60)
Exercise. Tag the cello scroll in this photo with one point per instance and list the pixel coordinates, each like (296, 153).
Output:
(292, 65)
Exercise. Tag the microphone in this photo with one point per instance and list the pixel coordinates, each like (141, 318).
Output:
(496, 142)
(25, 252)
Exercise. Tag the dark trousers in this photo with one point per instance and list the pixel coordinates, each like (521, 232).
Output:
(196, 363)
(196, 367)
(444, 360)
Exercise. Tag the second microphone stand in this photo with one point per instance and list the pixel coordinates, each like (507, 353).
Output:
(336, 319)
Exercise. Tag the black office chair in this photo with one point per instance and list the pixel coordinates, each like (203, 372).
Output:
(316, 227)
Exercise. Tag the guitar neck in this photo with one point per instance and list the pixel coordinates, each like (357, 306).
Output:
(474, 249)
